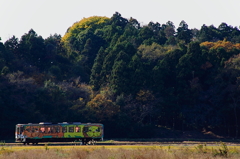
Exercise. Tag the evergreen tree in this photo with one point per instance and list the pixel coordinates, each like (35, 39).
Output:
(95, 78)
(183, 33)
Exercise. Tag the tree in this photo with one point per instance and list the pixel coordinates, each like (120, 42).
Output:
(153, 52)
(2, 55)
(164, 72)
(155, 27)
(102, 109)
(169, 29)
(183, 33)
(145, 33)
(118, 20)
(119, 74)
(93, 22)
(225, 31)
(95, 78)
(12, 45)
(111, 55)
(133, 22)
(88, 31)
(137, 78)
(87, 55)
(189, 75)
(32, 49)
(13, 61)
(208, 33)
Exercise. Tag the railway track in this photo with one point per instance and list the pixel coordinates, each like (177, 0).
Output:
(112, 143)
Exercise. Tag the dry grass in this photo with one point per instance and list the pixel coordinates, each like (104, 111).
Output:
(121, 152)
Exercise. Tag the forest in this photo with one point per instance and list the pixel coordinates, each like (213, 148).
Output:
(133, 78)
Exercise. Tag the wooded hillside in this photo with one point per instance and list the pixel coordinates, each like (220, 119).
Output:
(131, 78)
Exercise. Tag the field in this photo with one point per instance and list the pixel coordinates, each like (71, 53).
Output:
(171, 151)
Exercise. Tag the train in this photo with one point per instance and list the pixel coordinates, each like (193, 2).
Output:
(85, 133)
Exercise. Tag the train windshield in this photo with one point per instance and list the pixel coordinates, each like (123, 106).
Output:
(19, 129)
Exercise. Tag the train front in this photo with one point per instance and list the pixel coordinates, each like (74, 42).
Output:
(19, 136)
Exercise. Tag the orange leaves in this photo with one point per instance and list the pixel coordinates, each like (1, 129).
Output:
(227, 45)
(207, 44)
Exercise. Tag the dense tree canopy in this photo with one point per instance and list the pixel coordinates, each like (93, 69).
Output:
(128, 76)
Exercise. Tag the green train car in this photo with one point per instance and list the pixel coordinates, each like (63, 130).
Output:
(59, 132)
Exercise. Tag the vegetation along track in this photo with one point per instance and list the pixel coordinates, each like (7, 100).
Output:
(146, 143)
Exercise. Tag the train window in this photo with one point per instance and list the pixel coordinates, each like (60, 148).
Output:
(57, 129)
(71, 129)
(28, 129)
(85, 129)
(49, 130)
(64, 129)
(77, 129)
(21, 130)
(33, 130)
(42, 129)
(18, 130)
(53, 129)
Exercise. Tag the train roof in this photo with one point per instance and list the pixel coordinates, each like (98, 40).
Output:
(62, 123)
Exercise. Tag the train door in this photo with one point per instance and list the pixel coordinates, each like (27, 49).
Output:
(19, 133)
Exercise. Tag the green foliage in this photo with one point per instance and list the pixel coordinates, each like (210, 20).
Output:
(95, 78)
(118, 20)
(32, 49)
(223, 151)
(46, 147)
(55, 71)
(103, 108)
(183, 33)
(93, 22)
(114, 70)
(201, 148)
(153, 52)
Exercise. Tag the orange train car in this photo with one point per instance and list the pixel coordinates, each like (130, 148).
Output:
(59, 132)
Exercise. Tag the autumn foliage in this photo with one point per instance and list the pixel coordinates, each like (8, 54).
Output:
(227, 45)
(132, 77)
(86, 23)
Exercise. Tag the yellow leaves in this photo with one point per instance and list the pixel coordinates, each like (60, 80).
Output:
(207, 44)
(91, 22)
(227, 45)
(102, 107)
(145, 96)
(154, 51)
(80, 99)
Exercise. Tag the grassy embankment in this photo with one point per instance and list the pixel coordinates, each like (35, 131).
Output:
(200, 151)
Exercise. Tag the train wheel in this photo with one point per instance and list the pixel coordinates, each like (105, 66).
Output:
(24, 143)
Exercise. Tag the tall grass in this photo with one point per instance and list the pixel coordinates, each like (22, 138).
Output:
(103, 152)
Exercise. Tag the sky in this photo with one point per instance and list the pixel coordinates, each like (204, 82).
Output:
(47, 17)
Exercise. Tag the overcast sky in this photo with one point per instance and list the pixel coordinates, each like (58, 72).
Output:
(47, 17)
